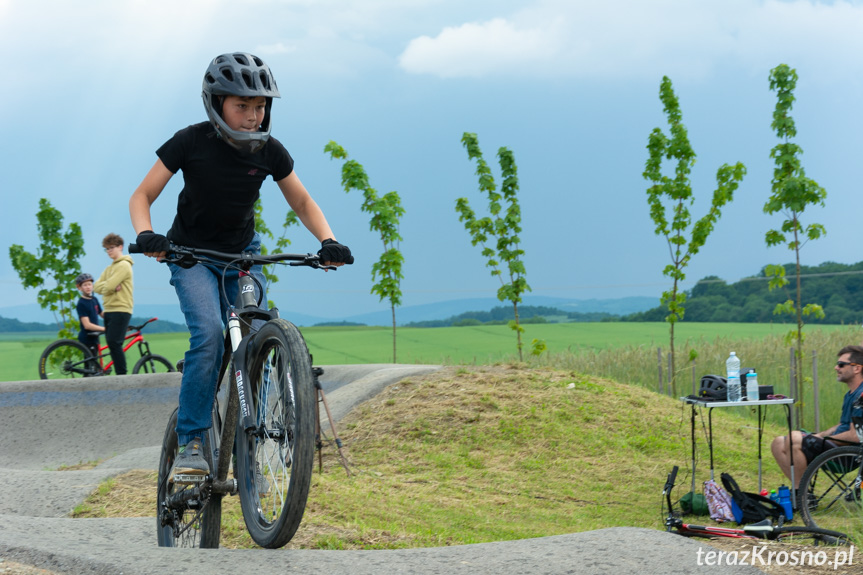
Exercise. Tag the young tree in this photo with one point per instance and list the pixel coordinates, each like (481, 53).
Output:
(504, 229)
(386, 212)
(281, 243)
(791, 193)
(684, 240)
(55, 263)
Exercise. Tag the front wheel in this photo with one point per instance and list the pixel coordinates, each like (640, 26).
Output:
(67, 358)
(186, 516)
(274, 461)
(153, 363)
(829, 496)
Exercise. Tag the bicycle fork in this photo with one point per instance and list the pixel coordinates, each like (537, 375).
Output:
(243, 391)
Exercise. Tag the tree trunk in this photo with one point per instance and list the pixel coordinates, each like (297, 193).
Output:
(393, 308)
(673, 375)
(799, 352)
(517, 330)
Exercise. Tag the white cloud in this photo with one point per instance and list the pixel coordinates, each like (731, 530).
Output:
(277, 48)
(492, 47)
(634, 38)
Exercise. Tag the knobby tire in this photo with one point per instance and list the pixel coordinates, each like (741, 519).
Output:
(67, 358)
(283, 401)
(828, 497)
(153, 363)
(198, 522)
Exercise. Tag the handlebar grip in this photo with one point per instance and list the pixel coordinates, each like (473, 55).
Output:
(134, 249)
(669, 482)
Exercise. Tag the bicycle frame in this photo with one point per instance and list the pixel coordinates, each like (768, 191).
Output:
(756, 531)
(136, 337)
(761, 530)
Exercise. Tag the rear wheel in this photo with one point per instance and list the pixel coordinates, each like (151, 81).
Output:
(274, 462)
(66, 358)
(195, 521)
(811, 536)
(153, 363)
(829, 496)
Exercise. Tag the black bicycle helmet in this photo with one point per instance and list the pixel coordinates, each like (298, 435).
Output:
(83, 278)
(239, 74)
(713, 388)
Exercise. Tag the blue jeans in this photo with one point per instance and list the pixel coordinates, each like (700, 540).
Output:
(201, 301)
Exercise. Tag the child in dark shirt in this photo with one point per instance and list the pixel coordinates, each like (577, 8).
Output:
(89, 312)
(224, 162)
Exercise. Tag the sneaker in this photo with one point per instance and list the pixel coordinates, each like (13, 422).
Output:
(190, 465)
(260, 481)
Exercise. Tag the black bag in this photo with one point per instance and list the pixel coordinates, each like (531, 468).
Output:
(753, 507)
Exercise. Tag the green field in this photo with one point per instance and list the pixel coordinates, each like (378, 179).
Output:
(19, 353)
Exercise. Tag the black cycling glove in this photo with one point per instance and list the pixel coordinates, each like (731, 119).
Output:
(334, 252)
(150, 242)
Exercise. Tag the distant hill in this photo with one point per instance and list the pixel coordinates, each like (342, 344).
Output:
(526, 315)
(838, 288)
(8, 325)
(447, 309)
(404, 315)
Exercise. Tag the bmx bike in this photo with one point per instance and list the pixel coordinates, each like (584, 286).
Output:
(66, 358)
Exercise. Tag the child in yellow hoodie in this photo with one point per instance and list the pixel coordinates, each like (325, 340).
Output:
(115, 287)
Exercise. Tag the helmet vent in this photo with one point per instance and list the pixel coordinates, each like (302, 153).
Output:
(248, 79)
(265, 79)
(228, 74)
(241, 59)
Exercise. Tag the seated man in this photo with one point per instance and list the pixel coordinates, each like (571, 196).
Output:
(807, 446)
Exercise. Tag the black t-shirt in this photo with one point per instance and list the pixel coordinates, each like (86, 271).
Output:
(215, 209)
(89, 308)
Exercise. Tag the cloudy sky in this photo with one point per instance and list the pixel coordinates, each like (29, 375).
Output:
(91, 89)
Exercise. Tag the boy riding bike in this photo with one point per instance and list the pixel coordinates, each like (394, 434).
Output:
(224, 162)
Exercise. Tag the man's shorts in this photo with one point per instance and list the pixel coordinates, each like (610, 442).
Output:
(813, 446)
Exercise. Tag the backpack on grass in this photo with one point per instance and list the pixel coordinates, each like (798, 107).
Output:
(718, 501)
(751, 507)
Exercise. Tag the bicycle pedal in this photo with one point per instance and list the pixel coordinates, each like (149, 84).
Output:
(188, 478)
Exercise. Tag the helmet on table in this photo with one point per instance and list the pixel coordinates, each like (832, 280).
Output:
(245, 75)
(713, 387)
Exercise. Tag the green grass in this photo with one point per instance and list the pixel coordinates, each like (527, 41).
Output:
(479, 454)
(625, 352)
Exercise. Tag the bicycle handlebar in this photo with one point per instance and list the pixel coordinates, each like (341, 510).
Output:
(669, 481)
(185, 255)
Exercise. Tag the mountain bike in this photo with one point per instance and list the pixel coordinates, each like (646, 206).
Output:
(829, 495)
(265, 420)
(804, 535)
(67, 358)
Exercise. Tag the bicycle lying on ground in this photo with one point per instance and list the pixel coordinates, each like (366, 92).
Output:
(66, 358)
(804, 535)
(267, 420)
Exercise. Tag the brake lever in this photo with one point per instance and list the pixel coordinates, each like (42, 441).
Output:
(313, 262)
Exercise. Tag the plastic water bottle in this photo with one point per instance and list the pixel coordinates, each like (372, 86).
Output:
(752, 386)
(732, 373)
(785, 501)
(734, 389)
(732, 366)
